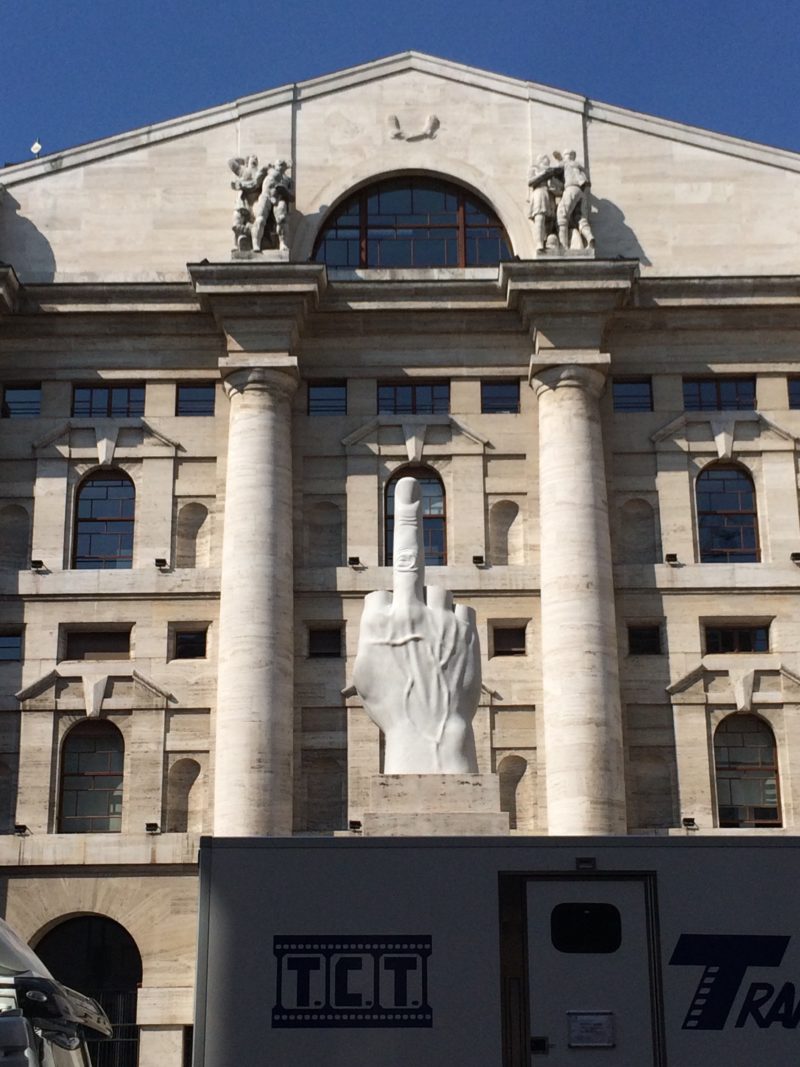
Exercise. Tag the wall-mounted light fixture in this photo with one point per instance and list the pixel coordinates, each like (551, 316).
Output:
(152, 827)
(689, 823)
(21, 830)
(38, 566)
(672, 559)
(355, 563)
(161, 563)
(479, 561)
(795, 557)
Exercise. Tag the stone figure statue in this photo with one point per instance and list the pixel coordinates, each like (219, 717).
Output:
(544, 184)
(418, 666)
(559, 202)
(572, 212)
(262, 208)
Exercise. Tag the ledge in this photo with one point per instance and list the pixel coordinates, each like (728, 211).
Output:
(86, 850)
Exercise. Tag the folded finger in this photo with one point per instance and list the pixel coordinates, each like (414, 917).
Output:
(437, 597)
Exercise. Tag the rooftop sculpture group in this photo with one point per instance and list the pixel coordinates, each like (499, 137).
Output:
(559, 203)
(262, 207)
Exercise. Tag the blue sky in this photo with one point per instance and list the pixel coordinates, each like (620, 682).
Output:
(77, 70)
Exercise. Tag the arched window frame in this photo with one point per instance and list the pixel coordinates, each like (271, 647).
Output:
(738, 554)
(434, 525)
(743, 770)
(106, 772)
(465, 220)
(93, 523)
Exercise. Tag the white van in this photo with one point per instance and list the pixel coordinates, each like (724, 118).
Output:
(42, 1022)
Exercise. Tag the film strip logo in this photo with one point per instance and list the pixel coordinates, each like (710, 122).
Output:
(375, 981)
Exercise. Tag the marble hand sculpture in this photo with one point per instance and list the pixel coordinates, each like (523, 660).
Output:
(418, 667)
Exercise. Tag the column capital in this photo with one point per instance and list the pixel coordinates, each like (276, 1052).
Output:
(278, 381)
(570, 375)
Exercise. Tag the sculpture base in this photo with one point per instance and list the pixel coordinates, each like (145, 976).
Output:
(566, 253)
(434, 805)
(270, 255)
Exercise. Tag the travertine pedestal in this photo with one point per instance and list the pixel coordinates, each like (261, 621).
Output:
(434, 805)
(253, 771)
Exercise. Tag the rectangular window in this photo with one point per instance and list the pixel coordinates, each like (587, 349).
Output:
(327, 398)
(197, 399)
(644, 640)
(21, 401)
(418, 398)
(112, 401)
(97, 644)
(794, 392)
(508, 640)
(737, 639)
(632, 394)
(719, 394)
(10, 646)
(325, 641)
(500, 398)
(190, 644)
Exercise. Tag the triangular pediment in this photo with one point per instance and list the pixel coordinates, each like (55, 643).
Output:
(743, 680)
(406, 113)
(90, 686)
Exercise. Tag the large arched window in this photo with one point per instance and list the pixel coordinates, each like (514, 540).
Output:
(99, 957)
(104, 522)
(412, 222)
(434, 518)
(726, 515)
(91, 779)
(747, 772)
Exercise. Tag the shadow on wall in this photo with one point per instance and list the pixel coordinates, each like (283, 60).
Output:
(22, 244)
(613, 235)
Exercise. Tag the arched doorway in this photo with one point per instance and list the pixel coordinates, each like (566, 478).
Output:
(97, 956)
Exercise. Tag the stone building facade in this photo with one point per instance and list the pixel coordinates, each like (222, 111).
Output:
(198, 453)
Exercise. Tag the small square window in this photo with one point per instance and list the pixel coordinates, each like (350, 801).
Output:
(644, 640)
(21, 402)
(794, 392)
(327, 398)
(499, 397)
(11, 646)
(508, 640)
(97, 644)
(324, 641)
(196, 399)
(632, 394)
(190, 644)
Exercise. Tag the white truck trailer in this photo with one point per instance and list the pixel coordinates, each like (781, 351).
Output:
(490, 952)
(42, 1022)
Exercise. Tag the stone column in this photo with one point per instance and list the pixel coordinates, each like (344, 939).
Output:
(255, 700)
(582, 716)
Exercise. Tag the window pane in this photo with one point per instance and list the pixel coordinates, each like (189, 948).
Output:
(21, 402)
(11, 646)
(632, 395)
(500, 397)
(327, 399)
(195, 399)
(190, 644)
